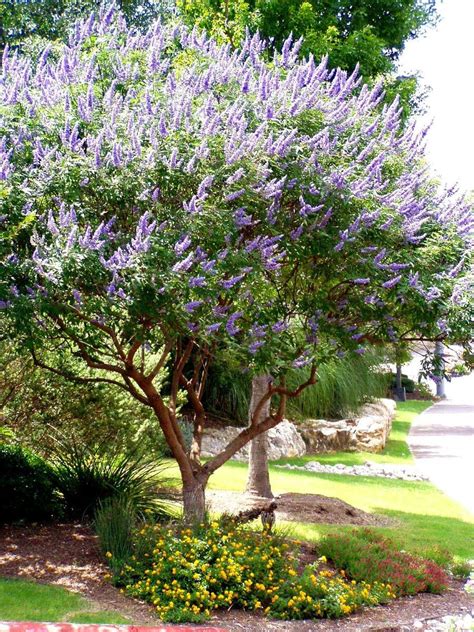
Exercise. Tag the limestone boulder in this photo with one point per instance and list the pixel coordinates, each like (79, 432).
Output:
(284, 441)
(367, 432)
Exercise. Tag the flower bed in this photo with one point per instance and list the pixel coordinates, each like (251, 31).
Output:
(187, 573)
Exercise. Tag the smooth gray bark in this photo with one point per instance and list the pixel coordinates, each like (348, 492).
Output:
(258, 480)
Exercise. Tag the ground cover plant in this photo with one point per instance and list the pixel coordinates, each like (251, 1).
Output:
(27, 601)
(373, 557)
(161, 193)
(187, 573)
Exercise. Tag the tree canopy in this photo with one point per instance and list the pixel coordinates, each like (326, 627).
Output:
(163, 197)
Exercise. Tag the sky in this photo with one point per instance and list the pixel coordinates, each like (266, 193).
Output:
(444, 57)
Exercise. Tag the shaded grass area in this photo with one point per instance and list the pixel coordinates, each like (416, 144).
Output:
(425, 516)
(22, 600)
(396, 451)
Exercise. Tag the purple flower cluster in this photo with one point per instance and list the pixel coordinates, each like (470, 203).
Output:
(199, 191)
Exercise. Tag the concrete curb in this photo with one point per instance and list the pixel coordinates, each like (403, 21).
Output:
(16, 626)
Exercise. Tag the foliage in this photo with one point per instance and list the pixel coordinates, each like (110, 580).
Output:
(367, 555)
(22, 600)
(114, 521)
(461, 569)
(87, 476)
(350, 32)
(326, 593)
(27, 486)
(160, 194)
(407, 382)
(36, 404)
(186, 574)
(342, 386)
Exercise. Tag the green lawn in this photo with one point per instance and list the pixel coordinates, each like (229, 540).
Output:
(26, 601)
(426, 517)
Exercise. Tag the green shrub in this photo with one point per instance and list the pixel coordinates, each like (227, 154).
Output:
(88, 475)
(407, 383)
(366, 555)
(27, 486)
(186, 574)
(461, 569)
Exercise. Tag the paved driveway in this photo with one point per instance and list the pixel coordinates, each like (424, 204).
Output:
(442, 441)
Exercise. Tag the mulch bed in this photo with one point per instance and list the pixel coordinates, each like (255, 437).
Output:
(312, 508)
(68, 555)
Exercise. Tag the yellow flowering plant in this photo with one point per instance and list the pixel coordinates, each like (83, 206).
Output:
(325, 593)
(187, 573)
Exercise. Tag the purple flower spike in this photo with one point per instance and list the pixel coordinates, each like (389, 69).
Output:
(192, 305)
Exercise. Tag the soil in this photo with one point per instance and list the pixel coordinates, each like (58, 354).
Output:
(311, 508)
(68, 555)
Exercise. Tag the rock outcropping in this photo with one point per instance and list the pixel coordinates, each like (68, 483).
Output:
(284, 441)
(367, 432)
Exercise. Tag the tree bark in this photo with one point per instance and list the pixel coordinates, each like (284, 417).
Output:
(194, 501)
(258, 480)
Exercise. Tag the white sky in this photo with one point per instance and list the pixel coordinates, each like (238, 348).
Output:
(445, 58)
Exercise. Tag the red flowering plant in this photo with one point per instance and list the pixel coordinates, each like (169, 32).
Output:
(366, 555)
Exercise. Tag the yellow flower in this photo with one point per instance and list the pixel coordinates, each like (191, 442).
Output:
(108, 554)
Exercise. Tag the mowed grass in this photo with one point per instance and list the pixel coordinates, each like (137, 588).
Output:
(22, 600)
(425, 517)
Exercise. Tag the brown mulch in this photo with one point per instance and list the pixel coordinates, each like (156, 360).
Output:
(68, 555)
(311, 508)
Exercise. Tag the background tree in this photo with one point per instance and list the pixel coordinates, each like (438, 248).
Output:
(36, 406)
(163, 198)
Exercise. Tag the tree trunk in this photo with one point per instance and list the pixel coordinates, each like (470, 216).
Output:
(399, 376)
(194, 501)
(258, 480)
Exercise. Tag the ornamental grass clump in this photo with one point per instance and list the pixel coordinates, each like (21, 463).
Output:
(187, 573)
(366, 555)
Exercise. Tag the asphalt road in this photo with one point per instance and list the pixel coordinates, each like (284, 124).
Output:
(442, 441)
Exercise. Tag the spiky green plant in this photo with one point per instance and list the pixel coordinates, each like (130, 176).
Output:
(87, 476)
